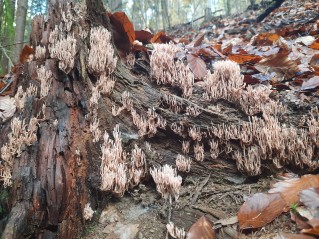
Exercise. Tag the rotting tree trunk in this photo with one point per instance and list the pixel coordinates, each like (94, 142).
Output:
(50, 187)
(52, 182)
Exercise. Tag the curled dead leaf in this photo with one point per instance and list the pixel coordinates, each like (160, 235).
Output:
(161, 37)
(123, 31)
(143, 36)
(26, 54)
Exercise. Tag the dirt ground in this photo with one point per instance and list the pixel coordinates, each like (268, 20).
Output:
(142, 213)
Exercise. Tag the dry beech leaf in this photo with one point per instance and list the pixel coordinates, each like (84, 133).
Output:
(304, 212)
(161, 37)
(143, 36)
(241, 59)
(266, 38)
(25, 54)
(124, 24)
(310, 84)
(315, 45)
(314, 223)
(206, 52)
(197, 40)
(7, 107)
(314, 62)
(284, 235)
(310, 197)
(217, 47)
(197, 66)
(260, 209)
(202, 229)
(279, 63)
(291, 188)
(306, 40)
(249, 79)
(300, 221)
(123, 31)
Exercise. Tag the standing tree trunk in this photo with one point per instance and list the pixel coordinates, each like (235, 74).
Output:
(116, 5)
(165, 16)
(19, 29)
(8, 33)
(227, 7)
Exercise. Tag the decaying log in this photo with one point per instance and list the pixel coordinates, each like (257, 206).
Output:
(56, 176)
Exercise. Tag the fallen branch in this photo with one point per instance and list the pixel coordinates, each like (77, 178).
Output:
(269, 10)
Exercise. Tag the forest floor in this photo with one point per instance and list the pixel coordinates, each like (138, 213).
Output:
(220, 190)
(142, 214)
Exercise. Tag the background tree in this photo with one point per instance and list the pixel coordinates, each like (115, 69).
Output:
(7, 34)
(20, 22)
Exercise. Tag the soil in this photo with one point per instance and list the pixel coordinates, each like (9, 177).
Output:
(142, 213)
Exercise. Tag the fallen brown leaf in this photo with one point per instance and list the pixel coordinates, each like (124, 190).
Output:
(284, 235)
(161, 37)
(260, 209)
(197, 66)
(241, 59)
(310, 84)
(202, 229)
(314, 223)
(291, 188)
(123, 32)
(143, 36)
(310, 197)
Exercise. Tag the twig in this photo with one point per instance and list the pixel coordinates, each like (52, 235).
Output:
(196, 19)
(16, 43)
(6, 86)
(215, 213)
(199, 189)
(5, 53)
(169, 209)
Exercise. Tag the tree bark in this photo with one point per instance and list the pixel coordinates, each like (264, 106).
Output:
(50, 186)
(20, 21)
